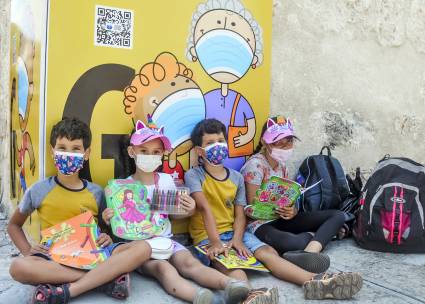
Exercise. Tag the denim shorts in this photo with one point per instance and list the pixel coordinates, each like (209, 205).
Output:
(108, 248)
(251, 242)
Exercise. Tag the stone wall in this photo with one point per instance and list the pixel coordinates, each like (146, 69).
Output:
(350, 73)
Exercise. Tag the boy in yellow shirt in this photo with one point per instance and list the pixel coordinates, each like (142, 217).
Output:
(57, 199)
(219, 221)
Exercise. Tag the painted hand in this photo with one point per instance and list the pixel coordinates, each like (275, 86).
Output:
(242, 139)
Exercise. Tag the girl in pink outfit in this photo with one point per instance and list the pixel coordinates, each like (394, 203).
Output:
(131, 214)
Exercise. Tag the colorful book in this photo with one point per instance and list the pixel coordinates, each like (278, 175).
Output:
(234, 260)
(133, 218)
(275, 193)
(73, 242)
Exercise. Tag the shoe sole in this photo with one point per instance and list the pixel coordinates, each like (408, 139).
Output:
(341, 286)
(120, 290)
(309, 261)
(271, 298)
(237, 294)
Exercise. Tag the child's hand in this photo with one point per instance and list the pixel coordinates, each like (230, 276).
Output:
(107, 214)
(286, 212)
(240, 248)
(39, 248)
(188, 203)
(103, 240)
(217, 248)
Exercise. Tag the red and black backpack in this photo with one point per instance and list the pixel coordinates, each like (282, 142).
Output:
(391, 214)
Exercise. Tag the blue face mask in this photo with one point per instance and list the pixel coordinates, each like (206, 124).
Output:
(216, 153)
(224, 51)
(23, 87)
(179, 113)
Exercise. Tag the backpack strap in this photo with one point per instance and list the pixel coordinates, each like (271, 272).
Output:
(326, 184)
(234, 108)
(340, 179)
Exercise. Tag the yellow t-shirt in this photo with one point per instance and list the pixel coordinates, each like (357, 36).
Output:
(55, 203)
(222, 196)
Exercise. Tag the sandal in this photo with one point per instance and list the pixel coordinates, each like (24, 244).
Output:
(118, 288)
(343, 232)
(51, 294)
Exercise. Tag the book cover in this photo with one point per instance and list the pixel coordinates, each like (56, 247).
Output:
(73, 242)
(235, 261)
(133, 218)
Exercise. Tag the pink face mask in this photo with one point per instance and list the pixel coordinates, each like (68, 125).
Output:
(281, 155)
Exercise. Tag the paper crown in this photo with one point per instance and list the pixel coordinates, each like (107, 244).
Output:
(145, 133)
(277, 130)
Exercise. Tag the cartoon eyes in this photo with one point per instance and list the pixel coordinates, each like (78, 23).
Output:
(218, 21)
(173, 83)
(187, 80)
(233, 23)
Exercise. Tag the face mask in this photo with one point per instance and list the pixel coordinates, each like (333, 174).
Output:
(68, 163)
(281, 155)
(180, 111)
(148, 163)
(23, 87)
(216, 153)
(224, 51)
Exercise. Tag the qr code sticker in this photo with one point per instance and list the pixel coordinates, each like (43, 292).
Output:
(113, 27)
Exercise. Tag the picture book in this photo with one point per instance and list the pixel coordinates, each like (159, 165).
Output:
(234, 260)
(73, 242)
(133, 218)
(274, 193)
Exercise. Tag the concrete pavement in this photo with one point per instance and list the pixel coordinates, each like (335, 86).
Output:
(388, 278)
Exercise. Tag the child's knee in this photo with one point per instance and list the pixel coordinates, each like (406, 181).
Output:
(239, 274)
(142, 249)
(265, 252)
(19, 270)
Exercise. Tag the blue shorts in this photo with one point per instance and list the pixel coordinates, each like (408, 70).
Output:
(251, 242)
(108, 248)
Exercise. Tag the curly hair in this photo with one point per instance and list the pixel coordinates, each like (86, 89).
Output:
(164, 67)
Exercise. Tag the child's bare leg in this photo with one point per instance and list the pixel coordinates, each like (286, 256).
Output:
(281, 268)
(36, 270)
(125, 258)
(170, 279)
(313, 246)
(237, 274)
(191, 268)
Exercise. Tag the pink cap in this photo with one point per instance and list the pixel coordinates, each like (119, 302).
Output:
(145, 133)
(278, 130)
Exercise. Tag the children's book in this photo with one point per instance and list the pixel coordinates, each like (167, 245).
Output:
(275, 193)
(73, 242)
(133, 218)
(234, 260)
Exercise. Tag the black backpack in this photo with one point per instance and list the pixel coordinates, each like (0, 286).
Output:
(334, 190)
(391, 214)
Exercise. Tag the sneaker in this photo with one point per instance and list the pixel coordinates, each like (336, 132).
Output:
(262, 296)
(310, 261)
(236, 291)
(203, 296)
(338, 286)
(118, 288)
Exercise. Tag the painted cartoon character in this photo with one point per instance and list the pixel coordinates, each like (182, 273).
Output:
(131, 215)
(264, 196)
(22, 88)
(165, 90)
(227, 41)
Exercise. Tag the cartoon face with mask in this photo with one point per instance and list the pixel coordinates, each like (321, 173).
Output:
(226, 41)
(164, 89)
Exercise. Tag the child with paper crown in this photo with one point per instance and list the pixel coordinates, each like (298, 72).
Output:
(291, 235)
(147, 146)
(219, 221)
(57, 199)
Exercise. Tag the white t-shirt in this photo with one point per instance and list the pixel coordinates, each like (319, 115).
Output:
(165, 181)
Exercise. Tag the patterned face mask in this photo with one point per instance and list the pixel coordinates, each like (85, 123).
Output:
(216, 153)
(68, 163)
